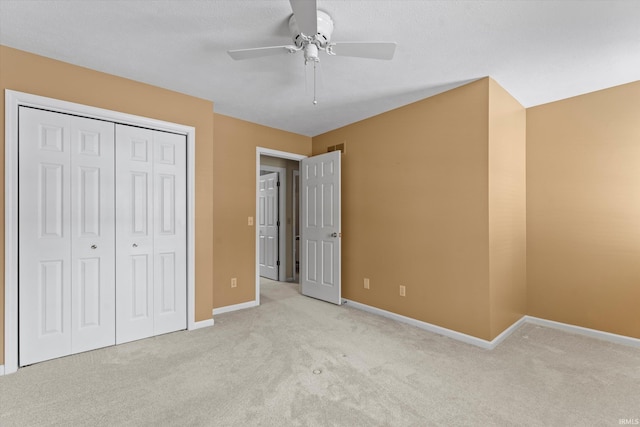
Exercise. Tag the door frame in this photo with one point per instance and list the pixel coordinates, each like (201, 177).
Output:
(282, 211)
(295, 213)
(261, 151)
(13, 100)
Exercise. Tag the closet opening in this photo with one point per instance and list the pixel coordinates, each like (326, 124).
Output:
(93, 214)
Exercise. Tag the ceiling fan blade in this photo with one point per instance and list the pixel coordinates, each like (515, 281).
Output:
(258, 52)
(306, 13)
(373, 50)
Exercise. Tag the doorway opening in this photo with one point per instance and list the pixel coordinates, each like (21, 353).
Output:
(319, 222)
(286, 166)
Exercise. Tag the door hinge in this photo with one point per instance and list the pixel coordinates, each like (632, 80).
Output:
(278, 184)
(278, 263)
(278, 223)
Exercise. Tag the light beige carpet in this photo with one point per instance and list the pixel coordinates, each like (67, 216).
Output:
(301, 362)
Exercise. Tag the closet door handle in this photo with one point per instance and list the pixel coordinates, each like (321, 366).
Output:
(94, 247)
(135, 245)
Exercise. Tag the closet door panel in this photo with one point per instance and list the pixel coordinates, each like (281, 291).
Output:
(170, 254)
(92, 234)
(134, 233)
(102, 232)
(44, 232)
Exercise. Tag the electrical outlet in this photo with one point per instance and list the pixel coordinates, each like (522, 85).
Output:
(250, 221)
(366, 283)
(403, 291)
(234, 282)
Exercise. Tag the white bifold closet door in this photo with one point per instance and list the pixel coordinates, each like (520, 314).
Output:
(102, 234)
(151, 233)
(66, 229)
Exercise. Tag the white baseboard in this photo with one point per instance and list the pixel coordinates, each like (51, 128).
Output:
(459, 336)
(511, 329)
(593, 333)
(490, 345)
(234, 307)
(202, 324)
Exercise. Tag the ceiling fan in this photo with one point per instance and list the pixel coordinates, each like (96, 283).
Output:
(311, 31)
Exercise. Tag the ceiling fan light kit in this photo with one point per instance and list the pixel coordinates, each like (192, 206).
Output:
(313, 44)
(311, 31)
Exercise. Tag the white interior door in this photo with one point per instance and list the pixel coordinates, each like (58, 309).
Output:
(268, 225)
(66, 178)
(320, 232)
(151, 233)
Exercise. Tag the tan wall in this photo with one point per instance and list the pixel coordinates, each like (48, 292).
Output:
(415, 209)
(290, 166)
(34, 74)
(507, 209)
(583, 210)
(432, 199)
(234, 194)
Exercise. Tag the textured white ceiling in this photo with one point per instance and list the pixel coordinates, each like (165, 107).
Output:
(540, 51)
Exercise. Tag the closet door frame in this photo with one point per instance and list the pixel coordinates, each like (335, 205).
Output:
(13, 100)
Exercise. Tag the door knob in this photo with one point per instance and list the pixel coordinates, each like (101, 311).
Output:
(94, 247)
(334, 234)
(135, 245)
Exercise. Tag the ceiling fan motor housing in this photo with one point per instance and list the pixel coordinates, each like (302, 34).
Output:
(320, 39)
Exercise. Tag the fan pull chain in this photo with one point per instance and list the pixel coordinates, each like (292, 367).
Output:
(315, 101)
